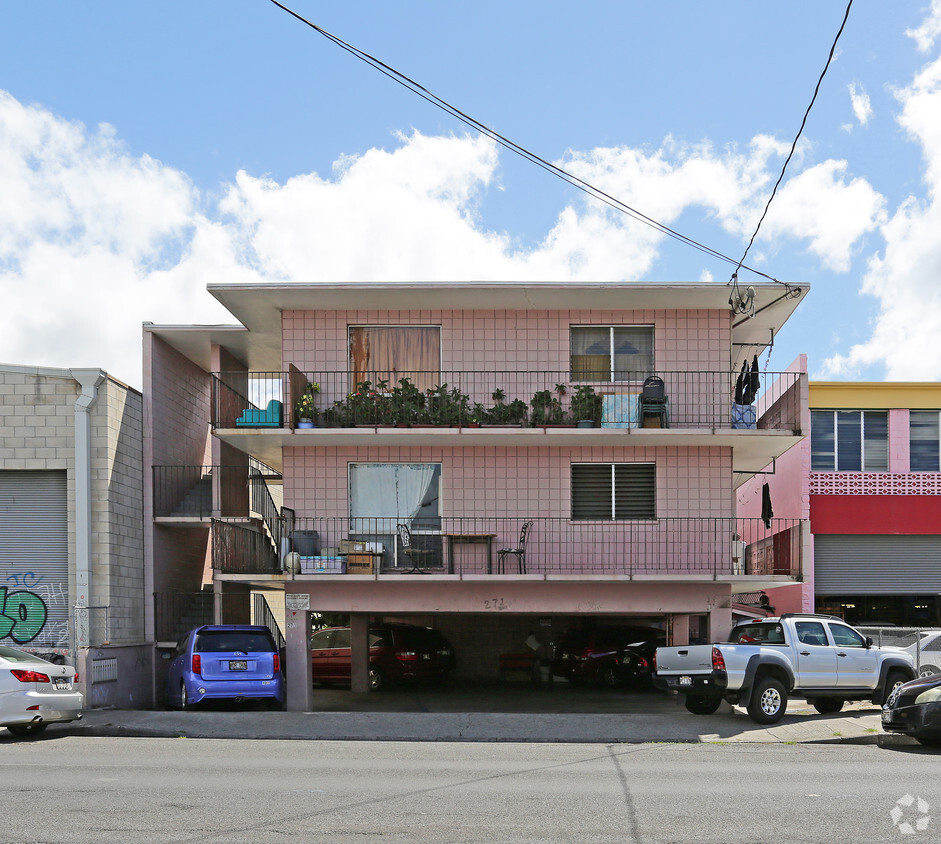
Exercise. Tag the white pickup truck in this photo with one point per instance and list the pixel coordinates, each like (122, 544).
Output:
(816, 657)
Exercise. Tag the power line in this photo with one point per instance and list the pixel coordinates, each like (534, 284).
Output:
(475, 124)
(734, 280)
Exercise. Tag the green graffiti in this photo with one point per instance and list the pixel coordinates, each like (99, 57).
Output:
(22, 615)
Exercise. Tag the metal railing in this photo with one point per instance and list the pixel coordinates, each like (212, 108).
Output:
(262, 614)
(176, 613)
(923, 643)
(460, 545)
(238, 549)
(695, 399)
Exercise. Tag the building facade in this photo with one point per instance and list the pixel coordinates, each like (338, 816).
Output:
(71, 532)
(443, 418)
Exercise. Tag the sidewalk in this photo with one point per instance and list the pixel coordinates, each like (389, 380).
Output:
(411, 716)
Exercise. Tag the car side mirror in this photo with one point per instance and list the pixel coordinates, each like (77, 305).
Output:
(868, 642)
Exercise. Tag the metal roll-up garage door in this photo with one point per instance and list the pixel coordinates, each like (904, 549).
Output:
(877, 565)
(34, 561)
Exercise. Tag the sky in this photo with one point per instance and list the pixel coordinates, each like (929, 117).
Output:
(149, 149)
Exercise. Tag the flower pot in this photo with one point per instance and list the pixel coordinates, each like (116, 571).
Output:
(585, 423)
(305, 423)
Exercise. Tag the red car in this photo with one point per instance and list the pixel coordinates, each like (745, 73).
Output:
(396, 652)
(609, 655)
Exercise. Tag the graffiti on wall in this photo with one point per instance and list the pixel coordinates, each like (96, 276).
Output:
(34, 611)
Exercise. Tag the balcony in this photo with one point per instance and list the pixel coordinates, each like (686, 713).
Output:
(458, 547)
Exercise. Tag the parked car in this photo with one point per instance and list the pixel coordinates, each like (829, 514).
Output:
(816, 657)
(915, 709)
(927, 654)
(610, 655)
(236, 662)
(35, 693)
(396, 652)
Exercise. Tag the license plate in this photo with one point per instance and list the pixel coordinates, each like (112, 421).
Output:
(238, 665)
(686, 680)
(61, 683)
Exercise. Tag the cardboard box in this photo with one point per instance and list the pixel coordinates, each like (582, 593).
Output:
(363, 563)
(348, 546)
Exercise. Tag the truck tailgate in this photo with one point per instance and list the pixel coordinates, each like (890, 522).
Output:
(688, 659)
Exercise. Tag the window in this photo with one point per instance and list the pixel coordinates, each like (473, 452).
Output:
(614, 491)
(391, 352)
(810, 632)
(923, 440)
(384, 494)
(846, 637)
(611, 353)
(849, 440)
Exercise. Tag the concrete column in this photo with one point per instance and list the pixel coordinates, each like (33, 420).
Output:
(720, 624)
(300, 695)
(359, 652)
(680, 630)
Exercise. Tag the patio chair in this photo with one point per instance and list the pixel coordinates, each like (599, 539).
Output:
(654, 403)
(411, 553)
(519, 551)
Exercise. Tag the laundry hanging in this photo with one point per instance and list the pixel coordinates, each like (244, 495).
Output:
(767, 512)
(740, 383)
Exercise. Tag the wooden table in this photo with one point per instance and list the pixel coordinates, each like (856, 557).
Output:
(470, 539)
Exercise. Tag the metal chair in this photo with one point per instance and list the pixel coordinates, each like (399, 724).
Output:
(519, 552)
(654, 403)
(412, 554)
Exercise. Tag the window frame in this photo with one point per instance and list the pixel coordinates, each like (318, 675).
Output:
(613, 491)
(611, 328)
(936, 441)
(833, 457)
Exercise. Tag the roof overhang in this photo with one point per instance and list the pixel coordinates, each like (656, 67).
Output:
(258, 307)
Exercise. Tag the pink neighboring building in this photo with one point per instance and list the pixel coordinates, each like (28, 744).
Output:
(465, 432)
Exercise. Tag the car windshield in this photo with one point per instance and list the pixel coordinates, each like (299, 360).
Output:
(218, 641)
(13, 655)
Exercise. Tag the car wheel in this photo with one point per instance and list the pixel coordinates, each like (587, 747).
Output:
(184, 698)
(768, 701)
(609, 677)
(24, 730)
(893, 681)
(702, 704)
(928, 671)
(828, 705)
(376, 678)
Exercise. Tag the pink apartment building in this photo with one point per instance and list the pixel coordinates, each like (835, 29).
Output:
(443, 420)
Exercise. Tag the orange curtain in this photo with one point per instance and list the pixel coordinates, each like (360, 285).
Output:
(393, 352)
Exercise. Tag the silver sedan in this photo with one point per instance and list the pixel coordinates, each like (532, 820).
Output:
(34, 692)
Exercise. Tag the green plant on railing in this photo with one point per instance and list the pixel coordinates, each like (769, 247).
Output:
(370, 405)
(407, 403)
(446, 407)
(547, 408)
(338, 415)
(586, 405)
(501, 413)
(305, 408)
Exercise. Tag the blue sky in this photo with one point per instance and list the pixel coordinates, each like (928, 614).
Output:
(147, 149)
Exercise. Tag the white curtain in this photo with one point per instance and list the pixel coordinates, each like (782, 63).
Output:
(384, 494)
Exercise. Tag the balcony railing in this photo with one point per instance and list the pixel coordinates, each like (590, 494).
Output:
(695, 399)
(459, 545)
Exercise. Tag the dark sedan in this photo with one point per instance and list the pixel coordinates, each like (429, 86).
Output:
(915, 709)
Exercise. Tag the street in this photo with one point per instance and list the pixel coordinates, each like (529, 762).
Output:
(84, 789)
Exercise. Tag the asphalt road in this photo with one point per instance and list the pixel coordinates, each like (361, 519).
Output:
(83, 789)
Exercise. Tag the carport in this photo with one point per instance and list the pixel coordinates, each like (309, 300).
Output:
(527, 597)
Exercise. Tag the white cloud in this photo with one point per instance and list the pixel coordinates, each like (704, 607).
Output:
(859, 100)
(906, 278)
(94, 241)
(926, 34)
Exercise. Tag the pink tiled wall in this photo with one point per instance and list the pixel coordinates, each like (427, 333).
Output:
(899, 440)
(501, 340)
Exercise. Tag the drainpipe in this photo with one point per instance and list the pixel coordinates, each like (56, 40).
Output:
(89, 380)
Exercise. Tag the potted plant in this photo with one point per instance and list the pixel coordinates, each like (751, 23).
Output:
(407, 403)
(547, 409)
(305, 408)
(586, 407)
(501, 413)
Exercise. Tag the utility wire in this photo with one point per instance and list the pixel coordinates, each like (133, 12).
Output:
(573, 180)
(734, 280)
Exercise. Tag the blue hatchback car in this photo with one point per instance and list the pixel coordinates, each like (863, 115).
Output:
(236, 662)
